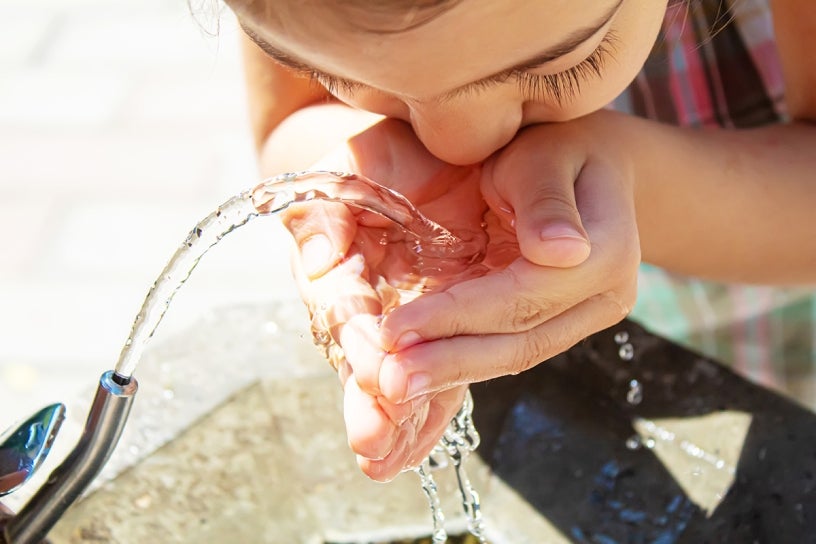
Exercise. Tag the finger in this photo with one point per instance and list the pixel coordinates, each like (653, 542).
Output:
(387, 468)
(402, 412)
(388, 153)
(323, 232)
(515, 299)
(340, 295)
(370, 431)
(414, 444)
(359, 337)
(524, 295)
(441, 364)
(535, 193)
(443, 408)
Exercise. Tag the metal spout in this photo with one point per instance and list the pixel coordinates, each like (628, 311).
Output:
(106, 420)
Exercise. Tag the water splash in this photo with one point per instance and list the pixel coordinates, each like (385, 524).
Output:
(233, 213)
(355, 190)
(621, 337)
(635, 394)
(430, 240)
(626, 351)
(438, 535)
(459, 440)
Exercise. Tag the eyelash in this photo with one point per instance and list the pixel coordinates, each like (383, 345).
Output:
(560, 87)
(565, 85)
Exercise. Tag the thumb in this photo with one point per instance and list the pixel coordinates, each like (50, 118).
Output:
(323, 231)
(541, 206)
(549, 229)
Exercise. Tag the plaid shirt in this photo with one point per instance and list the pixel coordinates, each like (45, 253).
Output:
(716, 65)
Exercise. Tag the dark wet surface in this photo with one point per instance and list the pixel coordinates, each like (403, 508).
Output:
(557, 434)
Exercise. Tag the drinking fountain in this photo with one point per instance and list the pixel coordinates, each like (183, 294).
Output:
(24, 448)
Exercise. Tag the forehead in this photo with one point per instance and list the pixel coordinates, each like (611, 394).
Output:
(447, 43)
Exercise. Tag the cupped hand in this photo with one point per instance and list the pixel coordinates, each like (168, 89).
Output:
(353, 267)
(567, 193)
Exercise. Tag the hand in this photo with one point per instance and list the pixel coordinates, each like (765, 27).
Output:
(349, 279)
(566, 191)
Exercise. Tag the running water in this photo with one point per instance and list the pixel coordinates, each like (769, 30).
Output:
(452, 258)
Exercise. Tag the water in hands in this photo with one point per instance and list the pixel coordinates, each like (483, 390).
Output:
(435, 257)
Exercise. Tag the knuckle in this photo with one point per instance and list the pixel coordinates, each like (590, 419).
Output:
(554, 198)
(523, 314)
(536, 347)
(526, 310)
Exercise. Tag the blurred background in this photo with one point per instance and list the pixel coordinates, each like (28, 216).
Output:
(121, 125)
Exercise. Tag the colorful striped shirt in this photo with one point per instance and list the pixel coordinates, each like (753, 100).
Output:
(716, 65)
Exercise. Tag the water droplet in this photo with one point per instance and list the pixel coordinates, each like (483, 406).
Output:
(635, 394)
(650, 443)
(633, 442)
(626, 352)
(168, 393)
(621, 337)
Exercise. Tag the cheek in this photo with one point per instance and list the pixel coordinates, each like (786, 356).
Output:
(375, 102)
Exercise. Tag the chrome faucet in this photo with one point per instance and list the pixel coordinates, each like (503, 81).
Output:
(25, 447)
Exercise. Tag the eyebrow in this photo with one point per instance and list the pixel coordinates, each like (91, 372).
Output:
(566, 46)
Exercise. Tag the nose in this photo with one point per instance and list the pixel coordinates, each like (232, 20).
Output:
(466, 130)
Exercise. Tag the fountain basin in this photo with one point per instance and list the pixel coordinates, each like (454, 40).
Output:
(566, 456)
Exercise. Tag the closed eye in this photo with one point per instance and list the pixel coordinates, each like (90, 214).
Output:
(560, 87)
(566, 84)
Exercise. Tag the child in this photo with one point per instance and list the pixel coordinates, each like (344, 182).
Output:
(510, 99)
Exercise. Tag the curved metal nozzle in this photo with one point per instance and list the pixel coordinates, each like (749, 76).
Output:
(106, 420)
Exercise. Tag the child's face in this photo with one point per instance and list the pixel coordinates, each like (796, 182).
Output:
(473, 74)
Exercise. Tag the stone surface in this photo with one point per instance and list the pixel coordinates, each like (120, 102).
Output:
(716, 459)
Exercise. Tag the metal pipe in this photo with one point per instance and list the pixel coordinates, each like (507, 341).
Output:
(106, 420)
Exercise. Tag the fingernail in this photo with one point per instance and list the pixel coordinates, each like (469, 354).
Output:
(397, 385)
(418, 384)
(561, 230)
(317, 254)
(407, 339)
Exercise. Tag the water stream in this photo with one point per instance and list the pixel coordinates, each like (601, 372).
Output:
(451, 256)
